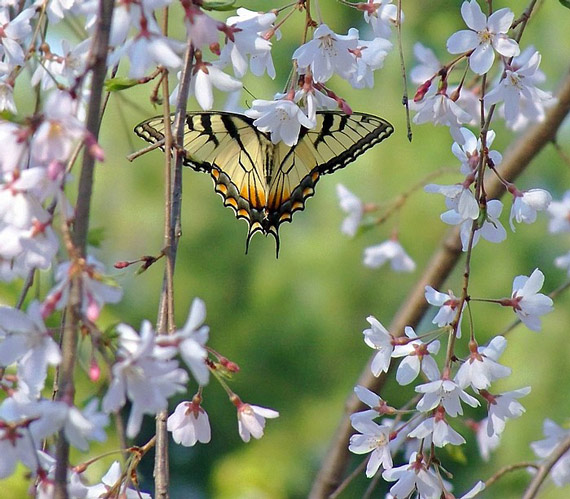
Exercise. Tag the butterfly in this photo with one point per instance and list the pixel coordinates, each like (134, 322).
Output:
(266, 183)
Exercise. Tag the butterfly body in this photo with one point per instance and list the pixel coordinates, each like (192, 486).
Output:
(265, 183)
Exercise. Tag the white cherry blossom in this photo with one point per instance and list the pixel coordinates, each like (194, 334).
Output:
(375, 402)
(523, 101)
(467, 150)
(481, 368)
(190, 342)
(474, 491)
(144, 375)
(484, 37)
(429, 64)
(250, 42)
(189, 424)
(60, 129)
(526, 204)
(14, 146)
(14, 33)
(97, 289)
(328, 53)
(108, 483)
(559, 212)
(415, 476)
(382, 15)
(555, 435)
(251, 419)
(206, 77)
(563, 262)
(149, 49)
(417, 354)
(492, 229)
(281, 118)
(526, 300)
(16, 443)
(438, 429)
(389, 251)
(485, 443)
(203, 30)
(448, 304)
(502, 407)
(372, 438)
(458, 197)
(439, 109)
(353, 207)
(370, 57)
(378, 338)
(25, 339)
(444, 392)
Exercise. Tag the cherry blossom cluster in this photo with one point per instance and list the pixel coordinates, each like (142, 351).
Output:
(416, 434)
(145, 372)
(521, 103)
(505, 84)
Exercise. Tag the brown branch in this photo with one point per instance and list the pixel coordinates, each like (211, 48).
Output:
(70, 330)
(508, 469)
(443, 261)
(174, 140)
(545, 468)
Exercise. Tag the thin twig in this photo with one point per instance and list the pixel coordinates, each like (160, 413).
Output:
(507, 469)
(174, 139)
(98, 66)
(403, 68)
(443, 261)
(140, 152)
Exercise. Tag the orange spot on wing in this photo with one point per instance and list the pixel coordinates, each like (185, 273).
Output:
(231, 202)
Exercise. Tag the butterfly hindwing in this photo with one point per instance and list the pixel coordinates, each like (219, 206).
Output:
(337, 140)
(266, 183)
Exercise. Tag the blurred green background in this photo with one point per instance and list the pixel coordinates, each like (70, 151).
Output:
(294, 325)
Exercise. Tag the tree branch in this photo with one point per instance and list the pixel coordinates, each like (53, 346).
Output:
(545, 468)
(443, 261)
(70, 330)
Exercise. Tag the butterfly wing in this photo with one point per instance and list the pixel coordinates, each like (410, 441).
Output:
(232, 151)
(337, 140)
(265, 183)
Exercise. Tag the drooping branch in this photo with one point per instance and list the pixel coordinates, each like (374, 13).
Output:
(544, 469)
(445, 258)
(70, 329)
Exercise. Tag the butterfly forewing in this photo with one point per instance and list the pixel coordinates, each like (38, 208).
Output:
(266, 183)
